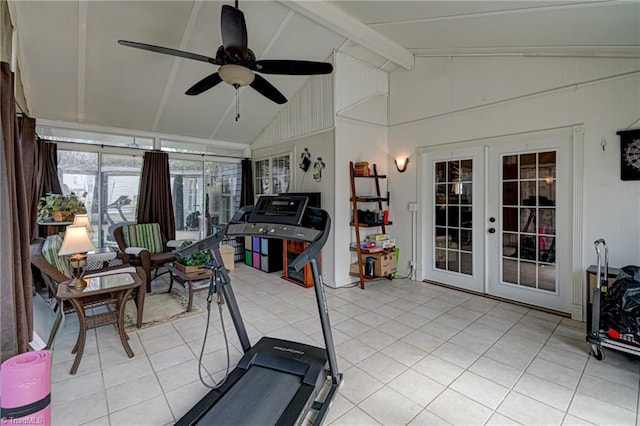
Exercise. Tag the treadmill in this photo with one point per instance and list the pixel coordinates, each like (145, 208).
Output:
(276, 382)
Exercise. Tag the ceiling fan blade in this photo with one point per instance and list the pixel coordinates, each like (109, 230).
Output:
(205, 84)
(289, 67)
(267, 90)
(168, 51)
(234, 32)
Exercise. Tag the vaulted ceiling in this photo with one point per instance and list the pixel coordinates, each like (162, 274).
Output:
(74, 70)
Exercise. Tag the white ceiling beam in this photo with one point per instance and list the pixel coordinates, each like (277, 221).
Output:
(186, 36)
(346, 25)
(82, 57)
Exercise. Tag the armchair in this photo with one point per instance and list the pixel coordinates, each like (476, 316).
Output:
(147, 247)
(56, 269)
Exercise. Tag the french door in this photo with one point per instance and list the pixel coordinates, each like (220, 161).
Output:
(498, 219)
(454, 209)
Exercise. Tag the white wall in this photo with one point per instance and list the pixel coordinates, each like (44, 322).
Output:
(320, 145)
(361, 105)
(310, 110)
(355, 141)
(445, 100)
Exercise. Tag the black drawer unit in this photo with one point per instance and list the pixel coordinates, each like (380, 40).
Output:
(263, 253)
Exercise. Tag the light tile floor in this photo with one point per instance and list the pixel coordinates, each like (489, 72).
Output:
(411, 353)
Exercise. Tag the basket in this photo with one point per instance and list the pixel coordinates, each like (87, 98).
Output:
(188, 269)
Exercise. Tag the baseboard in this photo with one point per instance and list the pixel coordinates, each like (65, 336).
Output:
(501, 299)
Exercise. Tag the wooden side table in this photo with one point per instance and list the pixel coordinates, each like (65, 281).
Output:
(53, 228)
(186, 280)
(120, 286)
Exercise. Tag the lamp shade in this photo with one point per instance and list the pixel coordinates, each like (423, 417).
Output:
(401, 163)
(83, 219)
(236, 75)
(76, 240)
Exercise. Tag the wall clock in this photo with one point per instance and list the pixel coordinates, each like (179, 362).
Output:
(629, 154)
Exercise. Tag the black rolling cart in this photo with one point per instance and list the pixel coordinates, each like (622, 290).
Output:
(597, 337)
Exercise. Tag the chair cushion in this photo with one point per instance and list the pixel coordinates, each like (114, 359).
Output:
(146, 235)
(50, 249)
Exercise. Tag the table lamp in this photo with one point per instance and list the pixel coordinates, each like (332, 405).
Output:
(83, 219)
(76, 243)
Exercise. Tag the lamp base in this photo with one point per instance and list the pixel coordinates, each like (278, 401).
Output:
(77, 283)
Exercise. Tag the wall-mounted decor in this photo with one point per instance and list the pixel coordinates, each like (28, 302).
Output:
(305, 158)
(629, 154)
(318, 165)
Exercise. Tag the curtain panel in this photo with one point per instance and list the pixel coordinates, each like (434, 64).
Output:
(16, 298)
(155, 204)
(45, 179)
(246, 190)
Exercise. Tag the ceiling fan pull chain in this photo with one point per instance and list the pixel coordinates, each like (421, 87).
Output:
(237, 105)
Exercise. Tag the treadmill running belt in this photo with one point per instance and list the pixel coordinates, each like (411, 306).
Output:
(258, 398)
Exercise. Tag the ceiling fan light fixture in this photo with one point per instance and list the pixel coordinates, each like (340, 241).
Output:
(236, 75)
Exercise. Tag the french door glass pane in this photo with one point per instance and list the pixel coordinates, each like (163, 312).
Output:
(453, 214)
(529, 221)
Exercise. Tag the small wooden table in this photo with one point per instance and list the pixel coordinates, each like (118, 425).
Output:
(186, 279)
(120, 286)
(53, 228)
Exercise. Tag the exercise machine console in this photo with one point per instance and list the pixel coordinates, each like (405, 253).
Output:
(276, 382)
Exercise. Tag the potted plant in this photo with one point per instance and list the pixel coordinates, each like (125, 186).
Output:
(193, 262)
(60, 208)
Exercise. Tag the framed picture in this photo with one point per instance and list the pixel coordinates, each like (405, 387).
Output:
(629, 154)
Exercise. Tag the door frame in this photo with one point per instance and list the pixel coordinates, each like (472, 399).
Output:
(576, 151)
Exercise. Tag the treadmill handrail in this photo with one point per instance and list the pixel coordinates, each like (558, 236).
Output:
(210, 242)
(213, 241)
(311, 252)
(315, 247)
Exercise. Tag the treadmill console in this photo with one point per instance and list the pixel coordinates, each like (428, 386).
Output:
(273, 230)
(279, 209)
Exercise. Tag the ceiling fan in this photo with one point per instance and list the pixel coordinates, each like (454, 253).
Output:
(238, 64)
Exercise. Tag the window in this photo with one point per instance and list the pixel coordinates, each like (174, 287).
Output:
(205, 194)
(222, 192)
(187, 191)
(273, 175)
(109, 185)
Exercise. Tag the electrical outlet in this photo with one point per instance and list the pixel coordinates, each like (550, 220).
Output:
(413, 207)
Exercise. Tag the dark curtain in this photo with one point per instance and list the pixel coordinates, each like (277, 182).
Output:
(48, 180)
(29, 147)
(178, 195)
(16, 298)
(246, 191)
(154, 200)
(45, 178)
